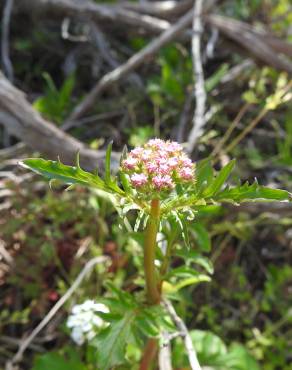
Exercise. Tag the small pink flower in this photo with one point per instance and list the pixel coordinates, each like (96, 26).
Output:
(186, 162)
(186, 173)
(161, 182)
(173, 146)
(173, 162)
(158, 165)
(151, 167)
(138, 179)
(146, 155)
(130, 163)
(137, 151)
(161, 160)
(155, 143)
(164, 169)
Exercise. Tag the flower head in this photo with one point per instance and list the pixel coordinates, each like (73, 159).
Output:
(158, 166)
(84, 321)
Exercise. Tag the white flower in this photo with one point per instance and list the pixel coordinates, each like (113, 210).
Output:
(85, 322)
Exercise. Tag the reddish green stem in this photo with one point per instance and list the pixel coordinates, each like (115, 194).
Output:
(152, 291)
(149, 354)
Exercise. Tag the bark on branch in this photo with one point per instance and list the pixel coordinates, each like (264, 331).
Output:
(22, 121)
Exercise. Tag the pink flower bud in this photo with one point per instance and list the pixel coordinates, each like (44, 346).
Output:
(158, 166)
(130, 163)
(151, 167)
(138, 180)
(161, 182)
(186, 173)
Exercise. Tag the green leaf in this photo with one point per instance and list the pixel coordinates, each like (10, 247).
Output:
(254, 192)
(183, 271)
(201, 235)
(111, 343)
(219, 180)
(237, 358)
(53, 360)
(204, 175)
(66, 91)
(107, 177)
(181, 221)
(216, 77)
(214, 354)
(208, 345)
(55, 170)
(201, 278)
(195, 257)
(109, 180)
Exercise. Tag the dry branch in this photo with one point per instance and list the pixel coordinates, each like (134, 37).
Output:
(22, 121)
(96, 12)
(5, 54)
(163, 9)
(135, 61)
(193, 360)
(199, 119)
(262, 46)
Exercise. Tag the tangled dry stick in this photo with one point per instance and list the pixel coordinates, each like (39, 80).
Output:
(27, 341)
(23, 122)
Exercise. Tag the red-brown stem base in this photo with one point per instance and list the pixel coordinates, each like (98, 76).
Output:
(149, 354)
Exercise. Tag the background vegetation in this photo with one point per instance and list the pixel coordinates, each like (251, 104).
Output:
(47, 235)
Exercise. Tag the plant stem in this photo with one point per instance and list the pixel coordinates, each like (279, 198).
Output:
(149, 354)
(152, 291)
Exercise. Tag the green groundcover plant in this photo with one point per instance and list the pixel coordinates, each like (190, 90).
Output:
(167, 190)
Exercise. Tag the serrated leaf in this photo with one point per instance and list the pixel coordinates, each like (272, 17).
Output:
(202, 236)
(204, 175)
(56, 361)
(147, 326)
(125, 182)
(182, 271)
(219, 180)
(107, 176)
(111, 343)
(254, 192)
(174, 288)
(195, 257)
(55, 170)
(184, 228)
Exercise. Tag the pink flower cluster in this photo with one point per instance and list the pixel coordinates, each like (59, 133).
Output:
(158, 165)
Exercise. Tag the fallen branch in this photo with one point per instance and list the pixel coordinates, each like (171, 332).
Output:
(24, 345)
(5, 54)
(22, 121)
(193, 360)
(164, 357)
(199, 120)
(265, 47)
(135, 61)
(97, 12)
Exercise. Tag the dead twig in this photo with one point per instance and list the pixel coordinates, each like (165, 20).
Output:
(22, 121)
(199, 120)
(66, 35)
(6, 62)
(3, 253)
(135, 61)
(263, 46)
(164, 357)
(97, 12)
(193, 360)
(26, 342)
